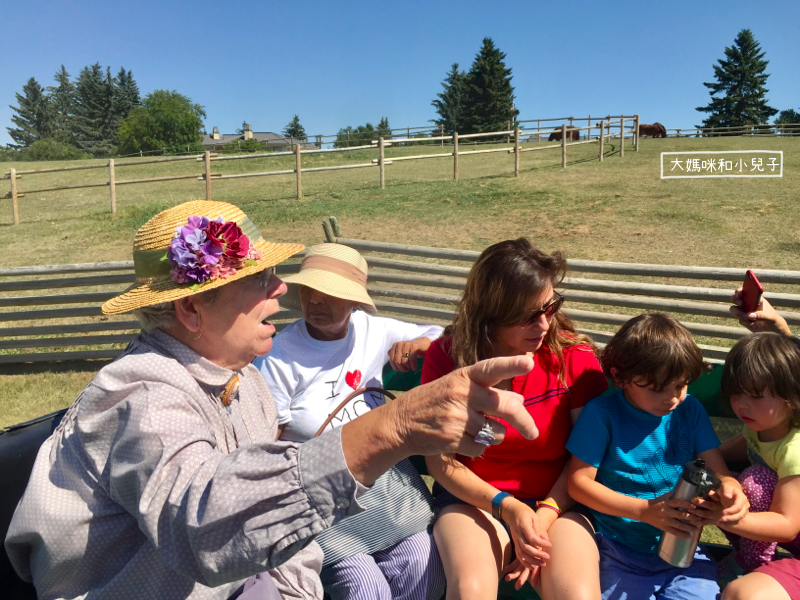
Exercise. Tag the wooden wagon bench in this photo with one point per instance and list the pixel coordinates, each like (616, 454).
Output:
(416, 283)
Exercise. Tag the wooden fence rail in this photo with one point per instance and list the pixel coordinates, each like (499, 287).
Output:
(65, 326)
(208, 158)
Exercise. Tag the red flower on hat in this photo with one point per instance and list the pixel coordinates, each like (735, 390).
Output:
(230, 238)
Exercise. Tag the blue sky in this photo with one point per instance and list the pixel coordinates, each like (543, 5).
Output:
(347, 63)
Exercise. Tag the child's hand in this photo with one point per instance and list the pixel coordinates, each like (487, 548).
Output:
(672, 516)
(517, 570)
(733, 499)
(530, 537)
(726, 505)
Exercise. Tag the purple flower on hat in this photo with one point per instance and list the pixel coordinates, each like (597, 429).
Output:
(204, 250)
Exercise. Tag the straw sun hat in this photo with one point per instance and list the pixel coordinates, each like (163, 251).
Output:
(332, 269)
(154, 282)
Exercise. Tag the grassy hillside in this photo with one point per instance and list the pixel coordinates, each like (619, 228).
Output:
(615, 210)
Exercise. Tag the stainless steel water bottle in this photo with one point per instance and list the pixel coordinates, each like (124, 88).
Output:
(696, 481)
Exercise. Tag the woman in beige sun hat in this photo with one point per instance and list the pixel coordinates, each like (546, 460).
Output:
(386, 552)
(164, 479)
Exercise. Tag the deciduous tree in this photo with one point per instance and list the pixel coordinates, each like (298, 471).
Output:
(738, 96)
(164, 119)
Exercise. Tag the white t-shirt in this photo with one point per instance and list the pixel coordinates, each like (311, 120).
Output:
(308, 378)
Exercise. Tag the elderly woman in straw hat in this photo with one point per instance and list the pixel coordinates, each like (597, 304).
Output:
(386, 552)
(164, 479)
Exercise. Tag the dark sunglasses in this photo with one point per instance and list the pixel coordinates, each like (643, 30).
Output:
(265, 277)
(548, 310)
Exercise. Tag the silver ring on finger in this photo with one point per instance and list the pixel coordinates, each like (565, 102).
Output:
(406, 354)
(486, 435)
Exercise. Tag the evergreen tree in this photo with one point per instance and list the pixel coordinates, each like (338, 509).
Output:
(384, 130)
(62, 104)
(295, 130)
(788, 116)
(451, 103)
(740, 85)
(126, 95)
(33, 119)
(490, 96)
(93, 124)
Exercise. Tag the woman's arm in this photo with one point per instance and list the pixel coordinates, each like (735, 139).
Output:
(781, 523)
(659, 512)
(765, 317)
(459, 480)
(558, 494)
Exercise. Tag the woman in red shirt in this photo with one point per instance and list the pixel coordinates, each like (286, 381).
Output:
(516, 491)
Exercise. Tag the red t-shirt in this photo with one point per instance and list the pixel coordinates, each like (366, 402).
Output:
(529, 468)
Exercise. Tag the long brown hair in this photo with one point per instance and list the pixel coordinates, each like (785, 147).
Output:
(497, 294)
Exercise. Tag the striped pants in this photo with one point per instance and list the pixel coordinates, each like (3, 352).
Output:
(409, 570)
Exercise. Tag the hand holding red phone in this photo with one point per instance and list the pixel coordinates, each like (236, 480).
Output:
(753, 310)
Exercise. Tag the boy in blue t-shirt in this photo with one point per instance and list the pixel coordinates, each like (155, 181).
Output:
(629, 448)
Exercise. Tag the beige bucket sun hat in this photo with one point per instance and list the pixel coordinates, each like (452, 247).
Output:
(333, 269)
(154, 282)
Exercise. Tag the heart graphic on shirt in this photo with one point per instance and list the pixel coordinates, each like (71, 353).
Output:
(353, 378)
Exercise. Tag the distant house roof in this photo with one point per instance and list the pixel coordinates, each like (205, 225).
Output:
(269, 138)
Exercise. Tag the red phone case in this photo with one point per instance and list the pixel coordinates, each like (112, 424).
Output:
(751, 292)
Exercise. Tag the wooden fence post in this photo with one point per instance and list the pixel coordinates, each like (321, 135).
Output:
(207, 160)
(112, 185)
(570, 121)
(441, 134)
(297, 171)
(602, 138)
(622, 137)
(636, 133)
(14, 200)
(516, 152)
(381, 163)
(508, 136)
(538, 129)
(455, 155)
(563, 145)
(589, 125)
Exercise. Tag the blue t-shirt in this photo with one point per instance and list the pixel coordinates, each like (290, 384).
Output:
(638, 454)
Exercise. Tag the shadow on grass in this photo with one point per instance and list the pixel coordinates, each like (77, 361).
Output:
(64, 366)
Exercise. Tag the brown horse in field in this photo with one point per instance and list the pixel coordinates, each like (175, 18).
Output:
(653, 130)
(572, 134)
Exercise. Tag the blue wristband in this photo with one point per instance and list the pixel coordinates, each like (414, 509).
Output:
(497, 505)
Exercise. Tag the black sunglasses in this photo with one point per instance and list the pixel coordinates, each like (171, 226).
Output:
(265, 277)
(548, 310)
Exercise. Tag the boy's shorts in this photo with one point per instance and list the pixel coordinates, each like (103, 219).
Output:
(631, 575)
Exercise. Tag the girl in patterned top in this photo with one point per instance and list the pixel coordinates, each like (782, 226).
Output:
(761, 380)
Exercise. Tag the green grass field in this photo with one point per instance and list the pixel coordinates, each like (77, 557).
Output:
(616, 210)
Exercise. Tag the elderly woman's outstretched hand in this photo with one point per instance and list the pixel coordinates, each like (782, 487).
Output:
(442, 416)
(446, 414)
